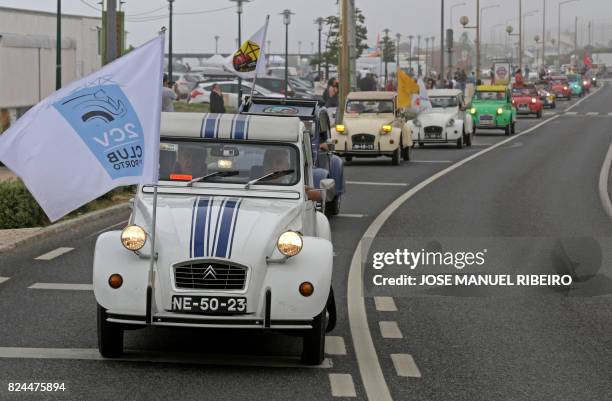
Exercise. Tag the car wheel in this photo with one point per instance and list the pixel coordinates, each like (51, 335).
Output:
(331, 311)
(396, 157)
(333, 208)
(539, 114)
(474, 131)
(468, 140)
(313, 341)
(513, 128)
(110, 336)
(348, 158)
(406, 153)
(421, 144)
(460, 143)
(508, 130)
(554, 106)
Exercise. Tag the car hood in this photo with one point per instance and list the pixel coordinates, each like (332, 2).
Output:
(369, 124)
(438, 116)
(243, 230)
(488, 106)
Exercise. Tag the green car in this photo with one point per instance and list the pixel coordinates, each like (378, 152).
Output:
(575, 84)
(492, 108)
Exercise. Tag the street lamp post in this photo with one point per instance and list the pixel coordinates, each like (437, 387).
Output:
(170, 9)
(319, 21)
(410, 37)
(426, 54)
(58, 47)
(286, 20)
(398, 37)
(559, 32)
(239, 4)
(537, 40)
(216, 44)
(543, 33)
(385, 53)
(464, 21)
(418, 55)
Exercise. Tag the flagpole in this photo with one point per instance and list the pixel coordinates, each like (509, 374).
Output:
(150, 302)
(260, 54)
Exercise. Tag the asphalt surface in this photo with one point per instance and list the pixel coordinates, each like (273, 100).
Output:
(536, 346)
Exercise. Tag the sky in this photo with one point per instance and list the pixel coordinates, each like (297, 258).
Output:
(196, 32)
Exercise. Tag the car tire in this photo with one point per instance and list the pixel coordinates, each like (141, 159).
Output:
(508, 130)
(468, 140)
(513, 128)
(474, 131)
(333, 208)
(554, 106)
(110, 336)
(313, 341)
(406, 153)
(460, 143)
(330, 308)
(421, 144)
(396, 157)
(539, 114)
(348, 158)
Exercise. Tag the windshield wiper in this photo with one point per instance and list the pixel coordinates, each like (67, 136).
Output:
(229, 173)
(275, 174)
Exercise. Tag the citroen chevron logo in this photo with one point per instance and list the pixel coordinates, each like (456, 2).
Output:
(210, 273)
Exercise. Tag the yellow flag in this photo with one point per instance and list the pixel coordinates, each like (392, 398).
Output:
(406, 87)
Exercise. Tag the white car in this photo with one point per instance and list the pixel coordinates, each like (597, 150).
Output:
(201, 93)
(185, 82)
(238, 242)
(447, 122)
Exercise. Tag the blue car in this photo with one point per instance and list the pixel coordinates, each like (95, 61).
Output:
(317, 121)
(575, 84)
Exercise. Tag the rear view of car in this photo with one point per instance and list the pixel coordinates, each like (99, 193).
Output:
(560, 87)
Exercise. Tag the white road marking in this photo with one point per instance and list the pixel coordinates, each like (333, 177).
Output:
(592, 113)
(390, 330)
(367, 360)
(54, 253)
(405, 366)
(61, 286)
(108, 228)
(571, 113)
(392, 184)
(385, 304)
(352, 216)
(430, 161)
(604, 195)
(610, 114)
(3, 279)
(342, 385)
(334, 345)
(159, 357)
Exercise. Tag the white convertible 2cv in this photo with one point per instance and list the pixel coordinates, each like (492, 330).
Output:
(229, 238)
(447, 121)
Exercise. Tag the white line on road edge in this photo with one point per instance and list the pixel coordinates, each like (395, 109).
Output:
(352, 216)
(160, 357)
(369, 366)
(603, 183)
(405, 366)
(393, 184)
(570, 113)
(61, 286)
(430, 161)
(3, 279)
(334, 345)
(54, 253)
(385, 304)
(390, 330)
(592, 113)
(342, 385)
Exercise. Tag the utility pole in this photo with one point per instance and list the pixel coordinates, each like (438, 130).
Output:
(442, 39)
(319, 21)
(543, 33)
(418, 55)
(216, 44)
(410, 37)
(170, 8)
(111, 30)
(575, 35)
(426, 55)
(478, 39)
(385, 53)
(344, 57)
(239, 12)
(520, 57)
(58, 47)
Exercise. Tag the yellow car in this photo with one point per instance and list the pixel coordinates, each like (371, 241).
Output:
(372, 127)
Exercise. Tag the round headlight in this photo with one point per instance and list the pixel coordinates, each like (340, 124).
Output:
(133, 238)
(533, 100)
(290, 243)
(473, 110)
(500, 111)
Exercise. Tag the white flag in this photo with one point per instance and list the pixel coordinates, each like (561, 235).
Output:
(250, 60)
(93, 135)
(420, 101)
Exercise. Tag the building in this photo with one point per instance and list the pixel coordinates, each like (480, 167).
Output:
(27, 56)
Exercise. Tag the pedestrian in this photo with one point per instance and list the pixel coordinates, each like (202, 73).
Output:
(462, 80)
(526, 72)
(518, 78)
(217, 103)
(169, 94)
(332, 93)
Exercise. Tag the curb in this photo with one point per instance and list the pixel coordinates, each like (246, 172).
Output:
(66, 225)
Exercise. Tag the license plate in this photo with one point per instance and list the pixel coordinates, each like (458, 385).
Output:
(523, 107)
(486, 122)
(433, 135)
(209, 305)
(359, 146)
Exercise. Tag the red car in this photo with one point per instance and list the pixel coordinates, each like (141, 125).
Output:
(560, 87)
(526, 100)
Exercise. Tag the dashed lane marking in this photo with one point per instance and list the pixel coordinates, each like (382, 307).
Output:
(351, 216)
(61, 286)
(160, 357)
(3, 279)
(54, 253)
(592, 113)
(392, 184)
(430, 161)
(570, 113)
(405, 366)
(385, 304)
(334, 345)
(390, 330)
(342, 385)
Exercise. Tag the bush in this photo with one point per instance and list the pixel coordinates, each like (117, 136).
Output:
(18, 209)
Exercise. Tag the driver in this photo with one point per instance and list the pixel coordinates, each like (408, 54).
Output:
(278, 160)
(190, 161)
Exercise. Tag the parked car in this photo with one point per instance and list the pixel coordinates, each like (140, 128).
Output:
(279, 72)
(201, 94)
(372, 126)
(492, 108)
(526, 100)
(185, 83)
(236, 247)
(560, 87)
(447, 122)
(317, 121)
(276, 85)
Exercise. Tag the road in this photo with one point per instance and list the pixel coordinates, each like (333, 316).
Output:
(448, 346)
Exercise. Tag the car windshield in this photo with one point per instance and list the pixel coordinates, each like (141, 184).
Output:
(524, 92)
(227, 162)
(490, 95)
(443, 101)
(369, 106)
(559, 82)
(573, 78)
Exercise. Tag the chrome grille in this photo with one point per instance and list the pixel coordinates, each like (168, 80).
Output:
(432, 129)
(202, 275)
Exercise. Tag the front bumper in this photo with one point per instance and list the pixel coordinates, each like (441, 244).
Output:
(378, 145)
(498, 122)
(446, 134)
